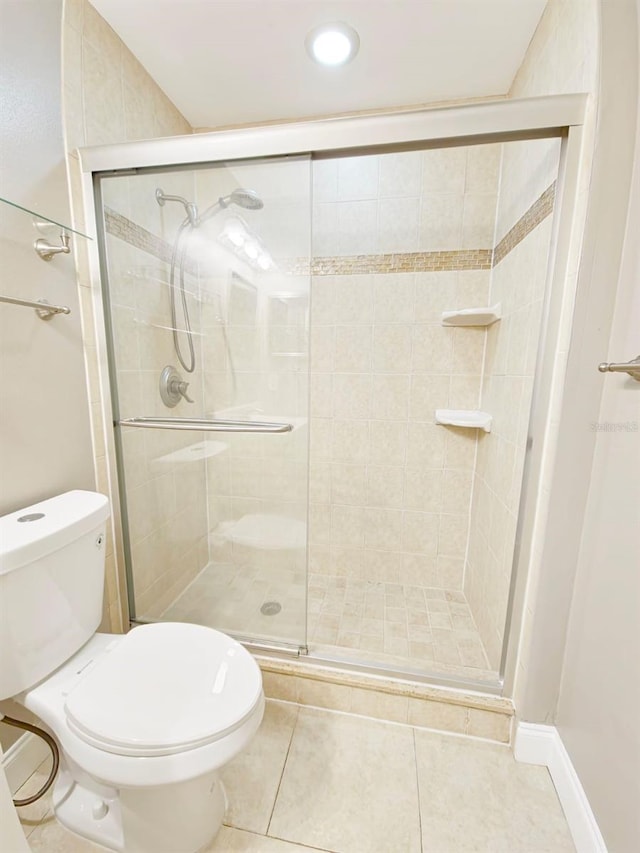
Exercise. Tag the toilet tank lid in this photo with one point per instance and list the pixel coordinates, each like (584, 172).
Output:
(32, 533)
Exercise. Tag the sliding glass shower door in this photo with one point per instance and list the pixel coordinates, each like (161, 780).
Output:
(206, 286)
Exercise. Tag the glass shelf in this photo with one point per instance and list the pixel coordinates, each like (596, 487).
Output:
(41, 218)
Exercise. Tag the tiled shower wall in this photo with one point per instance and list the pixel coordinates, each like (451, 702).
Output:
(165, 485)
(390, 491)
(527, 185)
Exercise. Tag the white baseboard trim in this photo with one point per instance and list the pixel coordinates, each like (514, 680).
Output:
(537, 744)
(23, 758)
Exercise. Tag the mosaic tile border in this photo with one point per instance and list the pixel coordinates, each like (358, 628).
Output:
(401, 262)
(539, 210)
(135, 235)
(461, 259)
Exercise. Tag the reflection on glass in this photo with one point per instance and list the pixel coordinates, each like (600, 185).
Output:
(216, 523)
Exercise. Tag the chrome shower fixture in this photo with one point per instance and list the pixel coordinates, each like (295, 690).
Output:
(247, 199)
(192, 210)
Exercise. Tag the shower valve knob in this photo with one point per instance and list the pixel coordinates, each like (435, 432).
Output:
(181, 388)
(173, 387)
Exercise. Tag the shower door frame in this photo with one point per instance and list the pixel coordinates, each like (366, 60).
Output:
(555, 116)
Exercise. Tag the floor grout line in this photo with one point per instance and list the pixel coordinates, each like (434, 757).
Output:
(284, 766)
(413, 726)
(415, 758)
(300, 844)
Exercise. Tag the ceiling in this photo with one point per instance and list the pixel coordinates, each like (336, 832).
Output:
(226, 62)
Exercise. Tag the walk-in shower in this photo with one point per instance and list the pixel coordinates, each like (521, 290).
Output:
(363, 344)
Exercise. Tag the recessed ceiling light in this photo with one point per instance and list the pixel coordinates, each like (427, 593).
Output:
(332, 44)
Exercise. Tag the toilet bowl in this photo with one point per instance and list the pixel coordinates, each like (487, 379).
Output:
(144, 721)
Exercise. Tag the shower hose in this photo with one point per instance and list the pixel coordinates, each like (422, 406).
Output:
(53, 746)
(178, 260)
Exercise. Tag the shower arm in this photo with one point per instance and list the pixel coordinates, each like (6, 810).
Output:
(190, 208)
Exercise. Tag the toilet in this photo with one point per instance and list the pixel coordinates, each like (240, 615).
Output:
(144, 721)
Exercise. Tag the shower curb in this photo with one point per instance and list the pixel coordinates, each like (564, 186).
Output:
(397, 700)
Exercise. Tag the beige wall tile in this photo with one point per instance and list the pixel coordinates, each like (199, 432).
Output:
(390, 396)
(387, 443)
(351, 397)
(420, 532)
(353, 349)
(394, 298)
(392, 348)
(350, 440)
(348, 484)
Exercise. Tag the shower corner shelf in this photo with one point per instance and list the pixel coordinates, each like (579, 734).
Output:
(468, 418)
(473, 316)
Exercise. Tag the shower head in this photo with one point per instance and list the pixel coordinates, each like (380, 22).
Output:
(248, 199)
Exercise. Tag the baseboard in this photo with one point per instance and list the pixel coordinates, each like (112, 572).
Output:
(537, 744)
(23, 758)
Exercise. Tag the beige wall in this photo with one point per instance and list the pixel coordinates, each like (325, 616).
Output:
(108, 97)
(44, 429)
(45, 441)
(584, 673)
(600, 689)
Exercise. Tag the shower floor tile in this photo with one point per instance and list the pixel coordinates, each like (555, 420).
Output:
(423, 629)
(241, 600)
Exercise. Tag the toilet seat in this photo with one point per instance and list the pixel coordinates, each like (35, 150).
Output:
(163, 689)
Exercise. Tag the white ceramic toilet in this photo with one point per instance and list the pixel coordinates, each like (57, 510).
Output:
(144, 721)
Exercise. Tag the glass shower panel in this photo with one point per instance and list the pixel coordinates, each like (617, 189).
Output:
(206, 278)
(413, 516)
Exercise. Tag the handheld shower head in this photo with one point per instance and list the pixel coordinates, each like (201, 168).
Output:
(247, 199)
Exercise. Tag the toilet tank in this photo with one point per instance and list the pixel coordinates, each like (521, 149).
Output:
(51, 585)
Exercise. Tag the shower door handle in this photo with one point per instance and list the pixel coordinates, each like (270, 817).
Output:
(201, 425)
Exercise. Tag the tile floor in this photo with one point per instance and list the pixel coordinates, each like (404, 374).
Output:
(325, 781)
(419, 628)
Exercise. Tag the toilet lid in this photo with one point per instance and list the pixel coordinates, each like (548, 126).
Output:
(164, 688)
